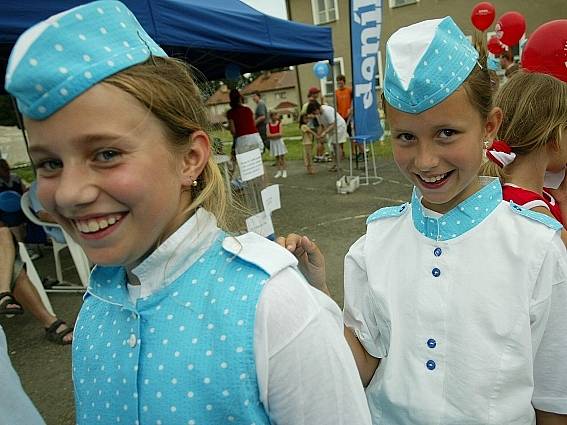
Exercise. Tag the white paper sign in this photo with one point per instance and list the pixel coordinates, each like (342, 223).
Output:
(260, 223)
(250, 164)
(271, 198)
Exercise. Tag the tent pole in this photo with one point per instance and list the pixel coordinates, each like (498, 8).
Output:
(336, 130)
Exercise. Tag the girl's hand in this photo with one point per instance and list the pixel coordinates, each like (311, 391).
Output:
(310, 257)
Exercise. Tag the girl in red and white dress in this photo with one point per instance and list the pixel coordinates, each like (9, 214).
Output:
(533, 144)
(277, 145)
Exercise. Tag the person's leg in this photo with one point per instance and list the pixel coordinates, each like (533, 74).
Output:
(309, 158)
(279, 172)
(28, 296)
(320, 148)
(284, 168)
(7, 257)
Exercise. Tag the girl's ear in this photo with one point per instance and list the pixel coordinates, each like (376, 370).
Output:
(492, 124)
(195, 158)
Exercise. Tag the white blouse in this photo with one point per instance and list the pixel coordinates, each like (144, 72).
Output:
(471, 326)
(306, 372)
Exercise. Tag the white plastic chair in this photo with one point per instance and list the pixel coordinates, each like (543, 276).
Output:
(34, 277)
(79, 258)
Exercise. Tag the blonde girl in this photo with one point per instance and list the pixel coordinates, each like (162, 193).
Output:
(181, 323)
(454, 303)
(532, 140)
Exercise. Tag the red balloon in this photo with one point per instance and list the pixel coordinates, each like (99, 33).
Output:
(494, 45)
(546, 50)
(510, 28)
(482, 15)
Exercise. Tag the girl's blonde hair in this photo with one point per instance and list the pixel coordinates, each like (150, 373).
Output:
(534, 109)
(478, 85)
(165, 86)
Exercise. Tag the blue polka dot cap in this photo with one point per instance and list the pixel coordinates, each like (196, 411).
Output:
(425, 63)
(60, 58)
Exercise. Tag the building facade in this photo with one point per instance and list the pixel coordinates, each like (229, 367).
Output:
(396, 14)
(278, 90)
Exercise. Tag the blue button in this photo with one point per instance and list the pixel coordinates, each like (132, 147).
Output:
(430, 364)
(437, 252)
(431, 343)
(436, 272)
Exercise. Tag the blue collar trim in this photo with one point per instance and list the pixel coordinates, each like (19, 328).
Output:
(460, 219)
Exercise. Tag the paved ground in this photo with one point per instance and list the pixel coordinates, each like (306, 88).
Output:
(310, 205)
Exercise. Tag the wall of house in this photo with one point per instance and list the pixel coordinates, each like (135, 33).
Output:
(302, 11)
(536, 12)
(275, 97)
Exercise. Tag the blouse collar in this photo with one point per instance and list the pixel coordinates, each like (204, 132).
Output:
(461, 218)
(164, 265)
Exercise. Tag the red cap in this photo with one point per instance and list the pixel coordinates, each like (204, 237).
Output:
(313, 90)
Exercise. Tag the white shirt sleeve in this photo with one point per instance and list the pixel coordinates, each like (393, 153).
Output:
(359, 308)
(550, 363)
(306, 372)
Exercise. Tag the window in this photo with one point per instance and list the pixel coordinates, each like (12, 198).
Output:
(338, 67)
(324, 11)
(281, 95)
(398, 3)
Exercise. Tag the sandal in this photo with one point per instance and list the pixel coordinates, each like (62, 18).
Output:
(6, 298)
(57, 337)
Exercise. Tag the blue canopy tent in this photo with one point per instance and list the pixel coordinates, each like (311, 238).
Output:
(209, 34)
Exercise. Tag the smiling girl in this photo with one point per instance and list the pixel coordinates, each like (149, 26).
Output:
(454, 303)
(181, 322)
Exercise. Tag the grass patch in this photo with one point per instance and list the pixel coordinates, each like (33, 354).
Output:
(25, 173)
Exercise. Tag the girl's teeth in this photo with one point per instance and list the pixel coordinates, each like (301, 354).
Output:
(433, 179)
(91, 226)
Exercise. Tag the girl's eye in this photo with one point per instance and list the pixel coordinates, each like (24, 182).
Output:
(405, 137)
(49, 165)
(106, 155)
(446, 133)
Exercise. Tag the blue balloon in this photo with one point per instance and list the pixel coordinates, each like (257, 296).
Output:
(232, 71)
(321, 70)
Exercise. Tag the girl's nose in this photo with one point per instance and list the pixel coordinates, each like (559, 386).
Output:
(75, 189)
(426, 158)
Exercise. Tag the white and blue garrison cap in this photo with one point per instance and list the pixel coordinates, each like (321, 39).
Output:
(425, 63)
(60, 58)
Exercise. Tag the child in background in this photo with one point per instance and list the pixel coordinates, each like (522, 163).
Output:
(181, 323)
(308, 135)
(455, 302)
(277, 145)
(532, 141)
